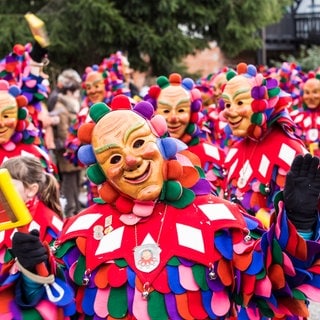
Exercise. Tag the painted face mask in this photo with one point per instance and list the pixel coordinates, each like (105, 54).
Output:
(128, 155)
(174, 105)
(95, 87)
(8, 116)
(237, 101)
(311, 93)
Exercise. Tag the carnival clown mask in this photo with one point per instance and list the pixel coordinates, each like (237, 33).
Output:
(95, 87)
(128, 154)
(237, 102)
(311, 93)
(174, 105)
(8, 116)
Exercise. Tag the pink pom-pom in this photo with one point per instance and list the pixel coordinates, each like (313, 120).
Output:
(4, 85)
(195, 94)
(159, 125)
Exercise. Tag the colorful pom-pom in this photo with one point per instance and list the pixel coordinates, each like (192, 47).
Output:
(121, 102)
(173, 190)
(124, 205)
(230, 74)
(163, 82)
(175, 79)
(21, 101)
(108, 193)
(85, 132)
(22, 114)
(167, 147)
(242, 68)
(154, 91)
(259, 105)
(86, 154)
(159, 125)
(144, 108)
(252, 70)
(98, 110)
(4, 85)
(188, 84)
(95, 174)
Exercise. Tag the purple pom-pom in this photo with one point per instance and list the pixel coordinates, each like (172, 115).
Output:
(86, 154)
(258, 92)
(196, 106)
(145, 109)
(272, 83)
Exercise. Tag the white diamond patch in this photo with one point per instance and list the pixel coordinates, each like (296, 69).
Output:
(216, 211)
(84, 222)
(287, 154)
(110, 241)
(264, 165)
(211, 151)
(190, 237)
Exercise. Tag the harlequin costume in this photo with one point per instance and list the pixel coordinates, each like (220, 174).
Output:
(22, 141)
(194, 256)
(306, 117)
(257, 164)
(211, 155)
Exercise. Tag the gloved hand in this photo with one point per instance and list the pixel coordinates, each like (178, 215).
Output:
(301, 192)
(28, 249)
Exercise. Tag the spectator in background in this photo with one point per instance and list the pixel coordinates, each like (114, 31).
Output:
(67, 108)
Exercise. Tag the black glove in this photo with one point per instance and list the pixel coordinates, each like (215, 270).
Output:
(28, 249)
(301, 192)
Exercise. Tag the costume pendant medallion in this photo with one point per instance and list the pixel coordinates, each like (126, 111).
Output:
(147, 257)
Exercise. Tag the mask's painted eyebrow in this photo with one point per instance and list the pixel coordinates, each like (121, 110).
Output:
(127, 134)
(182, 101)
(237, 93)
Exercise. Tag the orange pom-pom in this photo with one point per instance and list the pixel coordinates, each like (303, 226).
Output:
(175, 79)
(174, 170)
(85, 132)
(242, 68)
(18, 49)
(108, 193)
(22, 101)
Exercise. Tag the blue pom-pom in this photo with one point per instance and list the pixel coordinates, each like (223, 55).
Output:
(86, 154)
(14, 90)
(252, 70)
(188, 83)
(167, 147)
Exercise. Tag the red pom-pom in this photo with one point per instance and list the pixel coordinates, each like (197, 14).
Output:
(121, 102)
(124, 205)
(18, 49)
(154, 91)
(21, 125)
(259, 105)
(85, 132)
(194, 117)
(174, 170)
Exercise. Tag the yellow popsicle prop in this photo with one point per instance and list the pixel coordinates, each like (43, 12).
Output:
(38, 29)
(13, 211)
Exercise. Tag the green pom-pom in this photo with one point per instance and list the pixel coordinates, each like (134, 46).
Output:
(22, 113)
(174, 190)
(163, 82)
(95, 174)
(191, 128)
(230, 74)
(257, 119)
(273, 92)
(98, 110)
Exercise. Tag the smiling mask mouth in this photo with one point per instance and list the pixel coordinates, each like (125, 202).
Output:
(141, 178)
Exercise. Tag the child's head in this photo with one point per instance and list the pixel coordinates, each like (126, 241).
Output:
(31, 180)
